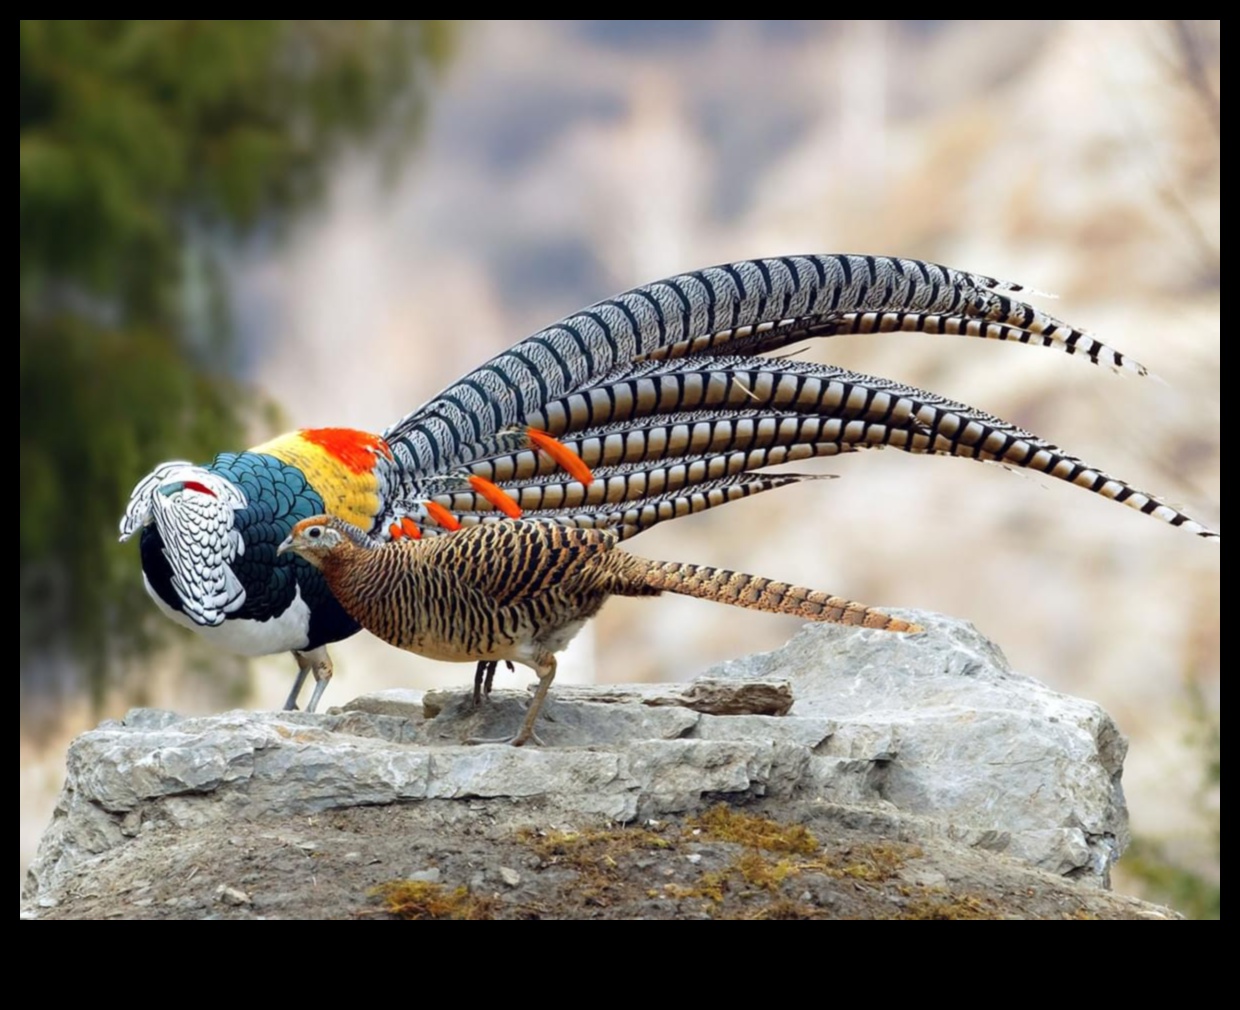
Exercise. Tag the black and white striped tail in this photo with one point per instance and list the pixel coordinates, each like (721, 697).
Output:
(668, 438)
(738, 308)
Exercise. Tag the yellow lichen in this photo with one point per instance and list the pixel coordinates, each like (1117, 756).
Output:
(963, 907)
(872, 861)
(710, 885)
(595, 854)
(604, 843)
(785, 908)
(728, 825)
(417, 899)
(758, 870)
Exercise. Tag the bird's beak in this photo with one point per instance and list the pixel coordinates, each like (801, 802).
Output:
(287, 545)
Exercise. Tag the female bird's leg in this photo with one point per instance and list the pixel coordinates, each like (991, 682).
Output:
(491, 673)
(543, 664)
(545, 669)
(486, 669)
(317, 662)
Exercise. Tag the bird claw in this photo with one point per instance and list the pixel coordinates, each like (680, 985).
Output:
(516, 740)
(484, 675)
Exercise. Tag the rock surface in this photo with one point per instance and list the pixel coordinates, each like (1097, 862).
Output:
(968, 741)
(928, 741)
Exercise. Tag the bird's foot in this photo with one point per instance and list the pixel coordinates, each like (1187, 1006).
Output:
(517, 740)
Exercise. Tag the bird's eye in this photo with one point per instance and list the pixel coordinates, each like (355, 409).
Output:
(314, 532)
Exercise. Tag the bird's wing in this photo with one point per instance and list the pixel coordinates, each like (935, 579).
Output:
(513, 561)
(200, 542)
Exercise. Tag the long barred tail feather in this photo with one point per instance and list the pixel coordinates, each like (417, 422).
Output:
(630, 514)
(737, 308)
(661, 396)
(670, 438)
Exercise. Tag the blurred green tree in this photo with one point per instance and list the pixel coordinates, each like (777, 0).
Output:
(147, 149)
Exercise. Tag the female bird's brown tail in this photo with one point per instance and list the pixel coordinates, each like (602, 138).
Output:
(757, 593)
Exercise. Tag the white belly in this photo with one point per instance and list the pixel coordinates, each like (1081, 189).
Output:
(291, 630)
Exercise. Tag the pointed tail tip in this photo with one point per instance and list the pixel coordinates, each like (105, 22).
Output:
(885, 622)
(1182, 521)
(878, 620)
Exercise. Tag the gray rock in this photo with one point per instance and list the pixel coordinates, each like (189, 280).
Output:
(575, 722)
(398, 701)
(932, 730)
(703, 694)
(228, 895)
(950, 732)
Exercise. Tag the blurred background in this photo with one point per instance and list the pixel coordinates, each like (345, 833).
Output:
(229, 229)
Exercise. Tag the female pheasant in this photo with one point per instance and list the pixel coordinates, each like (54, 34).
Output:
(520, 591)
(651, 405)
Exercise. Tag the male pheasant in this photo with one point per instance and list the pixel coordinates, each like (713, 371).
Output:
(521, 590)
(644, 407)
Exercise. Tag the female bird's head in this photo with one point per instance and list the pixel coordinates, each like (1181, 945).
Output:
(315, 538)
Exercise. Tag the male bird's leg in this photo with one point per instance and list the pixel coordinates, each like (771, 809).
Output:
(317, 662)
(486, 669)
(303, 670)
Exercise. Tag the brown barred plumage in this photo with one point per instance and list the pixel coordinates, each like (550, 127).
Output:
(520, 591)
